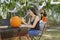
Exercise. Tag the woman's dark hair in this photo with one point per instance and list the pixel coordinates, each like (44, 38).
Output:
(33, 10)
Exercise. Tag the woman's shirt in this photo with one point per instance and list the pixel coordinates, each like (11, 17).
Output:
(37, 25)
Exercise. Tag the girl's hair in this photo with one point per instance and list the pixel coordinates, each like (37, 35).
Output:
(45, 13)
(33, 10)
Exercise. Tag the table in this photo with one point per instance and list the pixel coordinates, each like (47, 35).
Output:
(9, 33)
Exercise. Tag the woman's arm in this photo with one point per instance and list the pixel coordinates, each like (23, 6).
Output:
(34, 24)
(23, 21)
(31, 26)
(29, 21)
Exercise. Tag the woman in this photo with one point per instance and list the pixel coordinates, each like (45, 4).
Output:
(33, 23)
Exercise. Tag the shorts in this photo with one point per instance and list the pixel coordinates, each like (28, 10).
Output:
(42, 25)
(34, 32)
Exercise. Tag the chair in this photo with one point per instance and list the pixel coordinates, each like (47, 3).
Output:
(38, 37)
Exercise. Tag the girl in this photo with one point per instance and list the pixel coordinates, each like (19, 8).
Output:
(33, 23)
(43, 19)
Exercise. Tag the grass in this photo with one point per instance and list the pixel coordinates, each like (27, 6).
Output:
(51, 35)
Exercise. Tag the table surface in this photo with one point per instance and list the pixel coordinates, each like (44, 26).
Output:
(4, 23)
(8, 29)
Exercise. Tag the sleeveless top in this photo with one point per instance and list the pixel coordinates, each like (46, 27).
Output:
(37, 25)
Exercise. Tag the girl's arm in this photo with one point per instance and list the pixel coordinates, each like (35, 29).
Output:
(34, 24)
(23, 21)
(29, 21)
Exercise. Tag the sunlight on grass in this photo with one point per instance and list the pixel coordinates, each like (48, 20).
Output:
(51, 35)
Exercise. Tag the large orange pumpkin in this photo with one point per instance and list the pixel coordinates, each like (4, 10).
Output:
(15, 21)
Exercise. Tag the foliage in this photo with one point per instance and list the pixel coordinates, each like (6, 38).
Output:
(22, 11)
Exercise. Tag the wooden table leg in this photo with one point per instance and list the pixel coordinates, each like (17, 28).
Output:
(0, 36)
(15, 38)
(15, 35)
(4, 36)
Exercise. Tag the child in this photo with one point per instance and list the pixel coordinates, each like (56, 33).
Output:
(43, 19)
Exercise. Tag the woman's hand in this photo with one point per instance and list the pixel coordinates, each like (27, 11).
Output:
(23, 21)
(24, 25)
